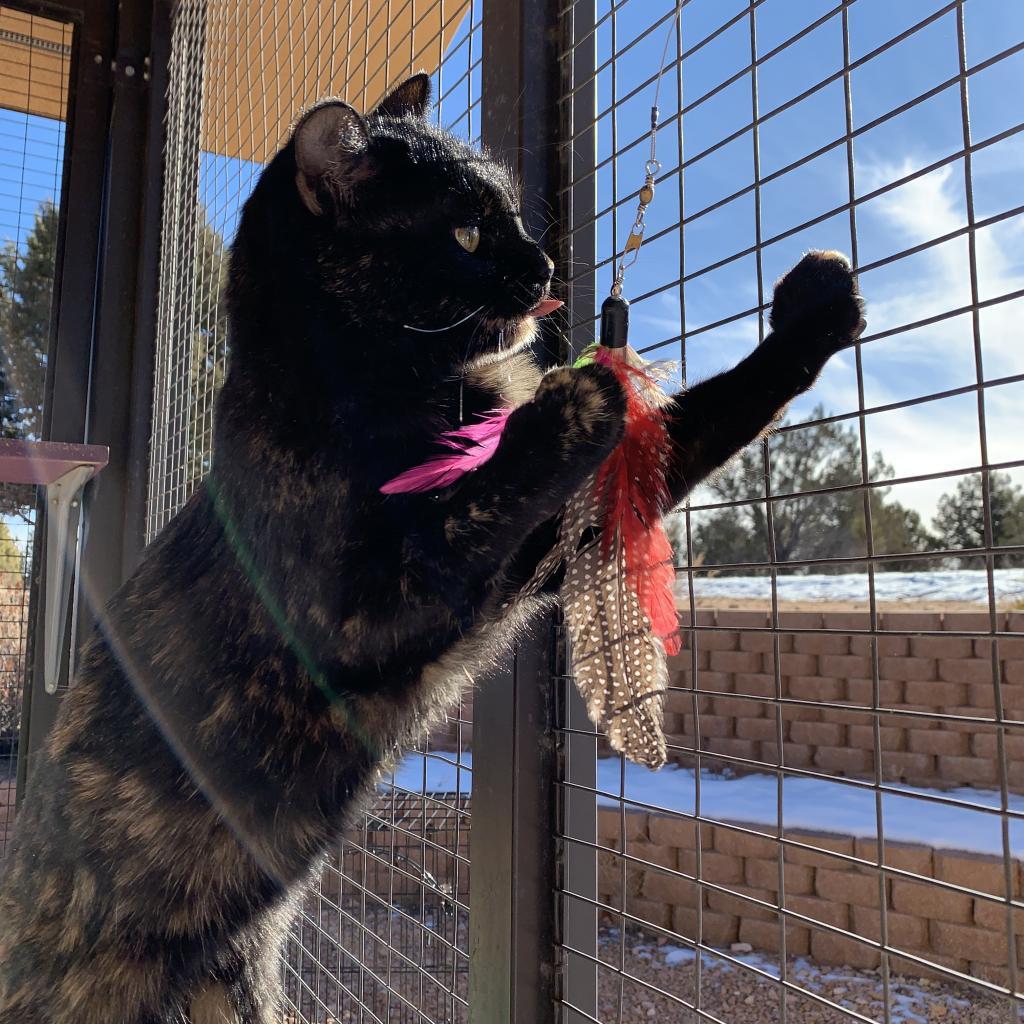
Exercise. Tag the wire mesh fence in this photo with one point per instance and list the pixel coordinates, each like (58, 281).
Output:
(838, 837)
(35, 67)
(383, 935)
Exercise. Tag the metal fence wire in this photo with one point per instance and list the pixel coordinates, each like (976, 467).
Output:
(838, 836)
(35, 65)
(384, 934)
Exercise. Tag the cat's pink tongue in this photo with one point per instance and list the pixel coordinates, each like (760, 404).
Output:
(546, 306)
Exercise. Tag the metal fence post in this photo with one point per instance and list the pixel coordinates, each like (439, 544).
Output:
(512, 942)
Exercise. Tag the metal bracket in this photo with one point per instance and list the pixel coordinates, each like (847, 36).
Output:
(62, 470)
(63, 508)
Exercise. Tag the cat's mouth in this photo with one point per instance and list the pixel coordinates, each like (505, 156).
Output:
(545, 306)
(510, 336)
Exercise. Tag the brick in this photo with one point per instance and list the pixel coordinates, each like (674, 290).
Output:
(815, 734)
(815, 688)
(903, 765)
(735, 661)
(973, 671)
(928, 901)
(844, 666)
(609, 824)
(935, 694)
(888, 646)
(766, 937)
(764, 643)
(825, 842)
(862, 692)
(909, 622)
(969, 622)
(821, 643)
(904, 930)
(756, 729)
(717, 929)
(654, 912)
(668, 889)
(967, 943)
(702, 617)
(795, 755)
(731, 746)
(743, 844)
(718, 726)
(842, 760)
(756, 684)
(717, 868)
(858, 888)
(764, 874)
(795, 664)
(938, 741)
(803, 713)
(1011, 648)
(733, 902)
(827, 948)
(848, 621)
(863, 737)
(905, 856)
(907, 669)
(800, 620)
(798, 939)
(610, 875)
(741, 618)
(650, 853)
(983, 744)
(900, 966)
(992, 915)
(976, 771)
(676, 831)
(737, 707)
(716, 640)
(826, 911)
(1013, 672)
(973, 871)
(941, 647)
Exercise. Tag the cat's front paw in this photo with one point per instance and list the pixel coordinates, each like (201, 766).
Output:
(586, 408)
(818, 301)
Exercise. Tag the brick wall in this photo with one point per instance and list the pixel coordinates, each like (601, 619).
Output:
(953, 929)
(944, 675)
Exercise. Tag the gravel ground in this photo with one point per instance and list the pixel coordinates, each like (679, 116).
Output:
(738, 995)
(657, 980)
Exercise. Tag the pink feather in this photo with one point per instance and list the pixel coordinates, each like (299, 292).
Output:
(473, 445)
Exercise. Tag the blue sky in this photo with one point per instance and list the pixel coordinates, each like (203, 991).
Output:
(936, 436)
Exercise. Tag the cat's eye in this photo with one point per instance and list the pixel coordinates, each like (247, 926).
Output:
(468, 238)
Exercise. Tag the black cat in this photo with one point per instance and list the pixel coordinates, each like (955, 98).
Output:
(293, 629)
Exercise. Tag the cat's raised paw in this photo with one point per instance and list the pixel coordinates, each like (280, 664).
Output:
(587, 405)
(818, 300)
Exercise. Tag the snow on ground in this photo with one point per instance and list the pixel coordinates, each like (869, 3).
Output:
(812, 804)
(962, 585)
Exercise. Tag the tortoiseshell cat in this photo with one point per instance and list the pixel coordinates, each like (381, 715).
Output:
(292, 630)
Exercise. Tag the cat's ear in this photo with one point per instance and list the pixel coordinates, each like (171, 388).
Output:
(331, 145)
(410, 97)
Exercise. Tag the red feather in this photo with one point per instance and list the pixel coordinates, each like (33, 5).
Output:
(631, 485)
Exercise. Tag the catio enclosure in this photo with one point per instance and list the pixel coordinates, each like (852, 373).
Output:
(839, 835)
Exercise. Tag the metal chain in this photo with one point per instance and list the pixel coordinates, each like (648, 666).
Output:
(631, 252)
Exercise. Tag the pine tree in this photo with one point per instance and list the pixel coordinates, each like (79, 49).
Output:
(828, 525)
(960, 520)
(26, 294)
